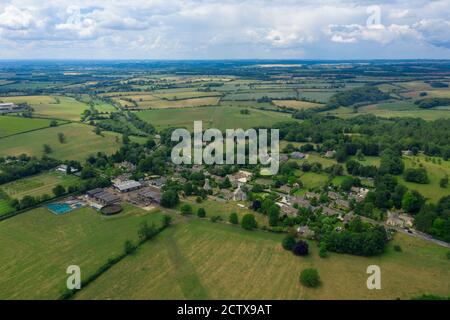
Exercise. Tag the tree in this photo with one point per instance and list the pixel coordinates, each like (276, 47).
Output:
(301, 248)
(310, 278)
(59, 190)
(166, 220)
(61, 137)
(186, 209)
(248, 222)
(412, 201)
(234, 218)
(444, 182)
(288, 242)
(146, 232)
(47, 149)
(53, 123)
(125, 139)
(418, 175)
(201, 213)
(129, 247)
(170, 199)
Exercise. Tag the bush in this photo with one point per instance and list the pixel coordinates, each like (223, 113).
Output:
(301, 248)
(59, 190)
(201, 213)
(216, 218)
(186, 209)
(129, 247)
(170, 199)
(310, 278)
(288, 242)
(397, 248)
(323, 252)
(234, 218)
(248, 222)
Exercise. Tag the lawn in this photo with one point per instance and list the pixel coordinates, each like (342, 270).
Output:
(38, 185)
(13, 125)
(38, 246)
(436, 171)
(58, 107)
(81, 141)
(201, 260)
(217, 117)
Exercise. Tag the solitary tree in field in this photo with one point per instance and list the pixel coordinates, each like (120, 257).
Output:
(201, 213)
(310, 278)
(234, 218)
(186, 209)
(47, 149)
(301, 248)
(61, 137)
(248, 222)
(288, 242)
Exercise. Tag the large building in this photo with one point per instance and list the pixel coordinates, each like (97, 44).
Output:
(127, 186)
(103, 197)
(9, 107)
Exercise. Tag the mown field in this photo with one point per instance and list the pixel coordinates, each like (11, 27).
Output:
(216, 117)
(38, 185)
(81, 141)
(12, 125)
(5, 208)
(38, 246)
(58, 107)
(202, 260)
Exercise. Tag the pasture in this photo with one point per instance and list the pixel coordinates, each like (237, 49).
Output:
(212, 117)
(10, 125)
(38, 246)
(81, 141)
(201, 260)
(296, 104)
(38, 185)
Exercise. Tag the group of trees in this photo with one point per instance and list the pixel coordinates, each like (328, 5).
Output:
(357, 95)
(429, 103)
(15, 168)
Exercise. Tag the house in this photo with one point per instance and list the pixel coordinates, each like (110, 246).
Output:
(127, 186)
(333, 195)
(128, 166)
(285, 189)
(287, 210)
(329, 211)
(301, 202)
(330, 154)
(298, 155)
(207, 186)
(103, 197)
(407, 153)
(9, 107)
(342, 204)
(348, 217)
(310, 195)
(359, 194)
(63, 169)
(305, 232)
(239, 194)
(283, 157)
(399, 220)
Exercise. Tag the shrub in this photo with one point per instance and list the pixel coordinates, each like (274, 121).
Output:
(397, 248)
(323, 252)
(59, 190)
(234, 218)
(216, 218)
(129, 247)
(288, 242)
(201, 213)
(301, 248)
(310, 278)
(186, 209)
(248, 222)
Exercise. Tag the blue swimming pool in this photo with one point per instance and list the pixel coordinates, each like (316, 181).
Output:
(61, 208)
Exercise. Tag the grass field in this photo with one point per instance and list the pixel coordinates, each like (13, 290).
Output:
(5, 208)
(51, 106)
(436, 171)
(217, 117)
(81, 141)
(12, 125)
(185, 103)
(202, 260)
(38, 185)
(223, 209)
(38, 246)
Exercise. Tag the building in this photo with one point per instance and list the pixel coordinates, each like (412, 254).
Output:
(407, 153)
(239, 194)
(305, 232)
(207, 186)
(399, 220)
(330, 212)
(9, 107)
(298, 155)
(63, 169)
(285, 189)
(127, 186)
(103, 197)
(330, 154)
(149, 195)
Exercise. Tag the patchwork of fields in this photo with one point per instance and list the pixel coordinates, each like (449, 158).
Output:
(13, 125)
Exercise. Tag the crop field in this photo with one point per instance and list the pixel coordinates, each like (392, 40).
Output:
(38, 246)
(38, 185)
(57, 107)
(202, 260)
(215, 117)
(12, 125)
(81, 141)
(436, 171)
(254, 95)
(296, 104)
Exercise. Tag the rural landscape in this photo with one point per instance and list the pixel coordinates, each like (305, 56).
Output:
(86, 179)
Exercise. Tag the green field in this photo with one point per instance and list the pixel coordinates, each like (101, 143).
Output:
(216, 117)
(38, 185)
(13, 125)
(81, 141)
(38, 246)
(202, 260)
(58, 107)
(436, 171)
(5, 208)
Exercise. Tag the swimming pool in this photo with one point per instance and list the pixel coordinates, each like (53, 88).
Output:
(61, 208)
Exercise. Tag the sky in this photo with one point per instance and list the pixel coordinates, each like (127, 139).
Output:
(225, 29)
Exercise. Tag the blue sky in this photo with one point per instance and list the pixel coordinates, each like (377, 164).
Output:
(226, 29)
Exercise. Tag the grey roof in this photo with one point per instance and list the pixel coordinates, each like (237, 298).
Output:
(127, 185)
(94, 191)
